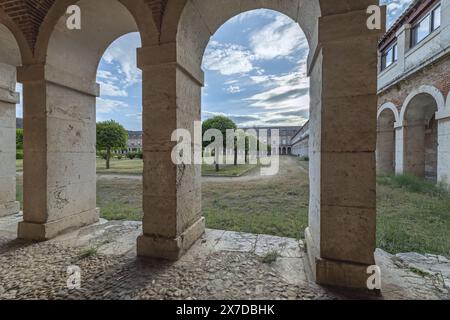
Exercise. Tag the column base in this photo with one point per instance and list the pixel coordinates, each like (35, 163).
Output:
(9, 208)
(170, 248)
(335, 273)
(45, 231)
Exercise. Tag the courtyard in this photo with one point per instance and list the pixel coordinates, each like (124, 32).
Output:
(259, 256)
(413, 215)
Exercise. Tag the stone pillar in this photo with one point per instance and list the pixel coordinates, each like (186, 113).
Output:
(399, 146)
(8, 100)
(59, 165)
(443, 169)
(341, 237)
(386, 150)
(414, 148)
(172, 193)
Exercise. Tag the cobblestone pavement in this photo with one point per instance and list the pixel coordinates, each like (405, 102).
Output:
(223, 265)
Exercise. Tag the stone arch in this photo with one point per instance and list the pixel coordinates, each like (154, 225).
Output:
(431, 91)
(10, 59)
(387, 118)
(392, 107)
(421, 132)
(339, 253)
(64, 89)
(24, 51)
(137, 10)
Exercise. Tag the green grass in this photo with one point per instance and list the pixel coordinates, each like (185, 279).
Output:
(19, 165)
(270, 257)
(413, 215)
(227, 170)
(124, 166)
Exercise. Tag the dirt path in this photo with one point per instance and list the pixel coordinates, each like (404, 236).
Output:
(286, 163)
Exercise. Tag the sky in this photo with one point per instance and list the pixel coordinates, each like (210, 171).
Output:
(255, 73)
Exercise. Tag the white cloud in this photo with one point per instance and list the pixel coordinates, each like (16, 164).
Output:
(281, 38)
(109, 89)
(119, 54)
(105, 106)
(233, 89)
(228, 59)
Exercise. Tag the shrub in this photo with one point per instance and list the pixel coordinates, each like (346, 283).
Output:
(140, 155)
(102, 155)
(19, 154)
(119, 157)
(131, 155)
(306, 158)
(414, 184)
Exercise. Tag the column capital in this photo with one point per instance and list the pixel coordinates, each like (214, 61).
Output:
(343, 28)
(164, 55)
(45, 72)
(9, 96)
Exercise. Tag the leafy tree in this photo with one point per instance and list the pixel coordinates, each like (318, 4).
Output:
(19, 139)
(220, 123)
(110, 136)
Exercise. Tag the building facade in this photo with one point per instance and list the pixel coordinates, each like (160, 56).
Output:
(413, 87)
(300, 142)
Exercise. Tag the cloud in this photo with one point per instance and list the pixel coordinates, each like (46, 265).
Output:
(118, 54)
(228, 59)
(278, 39)
(395, 8)
(233, 89)
(282, 91)
(105, 106)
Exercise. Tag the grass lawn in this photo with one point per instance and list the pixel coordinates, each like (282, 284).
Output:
(413, 215)
(227, 170)
(124, 166)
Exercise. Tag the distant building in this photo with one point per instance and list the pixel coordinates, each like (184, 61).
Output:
(285, 133)
(134, 141)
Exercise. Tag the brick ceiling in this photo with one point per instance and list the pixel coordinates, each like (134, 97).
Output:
(29, 14)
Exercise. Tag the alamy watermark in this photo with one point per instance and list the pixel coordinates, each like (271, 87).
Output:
(238, 147)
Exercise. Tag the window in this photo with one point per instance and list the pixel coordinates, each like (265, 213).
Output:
(389, 56)
(427, 25)
(436, 18)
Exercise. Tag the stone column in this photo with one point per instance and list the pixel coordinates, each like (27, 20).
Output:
(8, 100)
(414, 148)
(172, 193)
(341, 237)
(385, 150)
(443, 119)
(399, 146)
(59, 166)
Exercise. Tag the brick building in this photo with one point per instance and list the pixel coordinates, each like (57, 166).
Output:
(413, 87)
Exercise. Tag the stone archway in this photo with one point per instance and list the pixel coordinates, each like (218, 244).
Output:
(10, 59)
(341, 233)
(386, 150)
(420, 136)
(61, 72)
(60, 93)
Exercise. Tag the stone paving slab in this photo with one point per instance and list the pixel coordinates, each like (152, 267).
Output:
(221, 265)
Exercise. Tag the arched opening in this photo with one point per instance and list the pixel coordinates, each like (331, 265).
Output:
(255, 75)
(10, 59)
(420, 137)
(119, 107)
(386, 141)
(60, 169)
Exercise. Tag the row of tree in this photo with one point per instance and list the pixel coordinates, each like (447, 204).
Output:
(111, 136)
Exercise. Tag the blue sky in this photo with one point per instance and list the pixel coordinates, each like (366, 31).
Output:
(255, 72)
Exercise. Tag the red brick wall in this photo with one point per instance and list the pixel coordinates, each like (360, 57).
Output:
(29, 14)
(437, 75)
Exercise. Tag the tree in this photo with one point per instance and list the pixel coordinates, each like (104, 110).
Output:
(19, 139)
(222, 124)
(111, 135)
